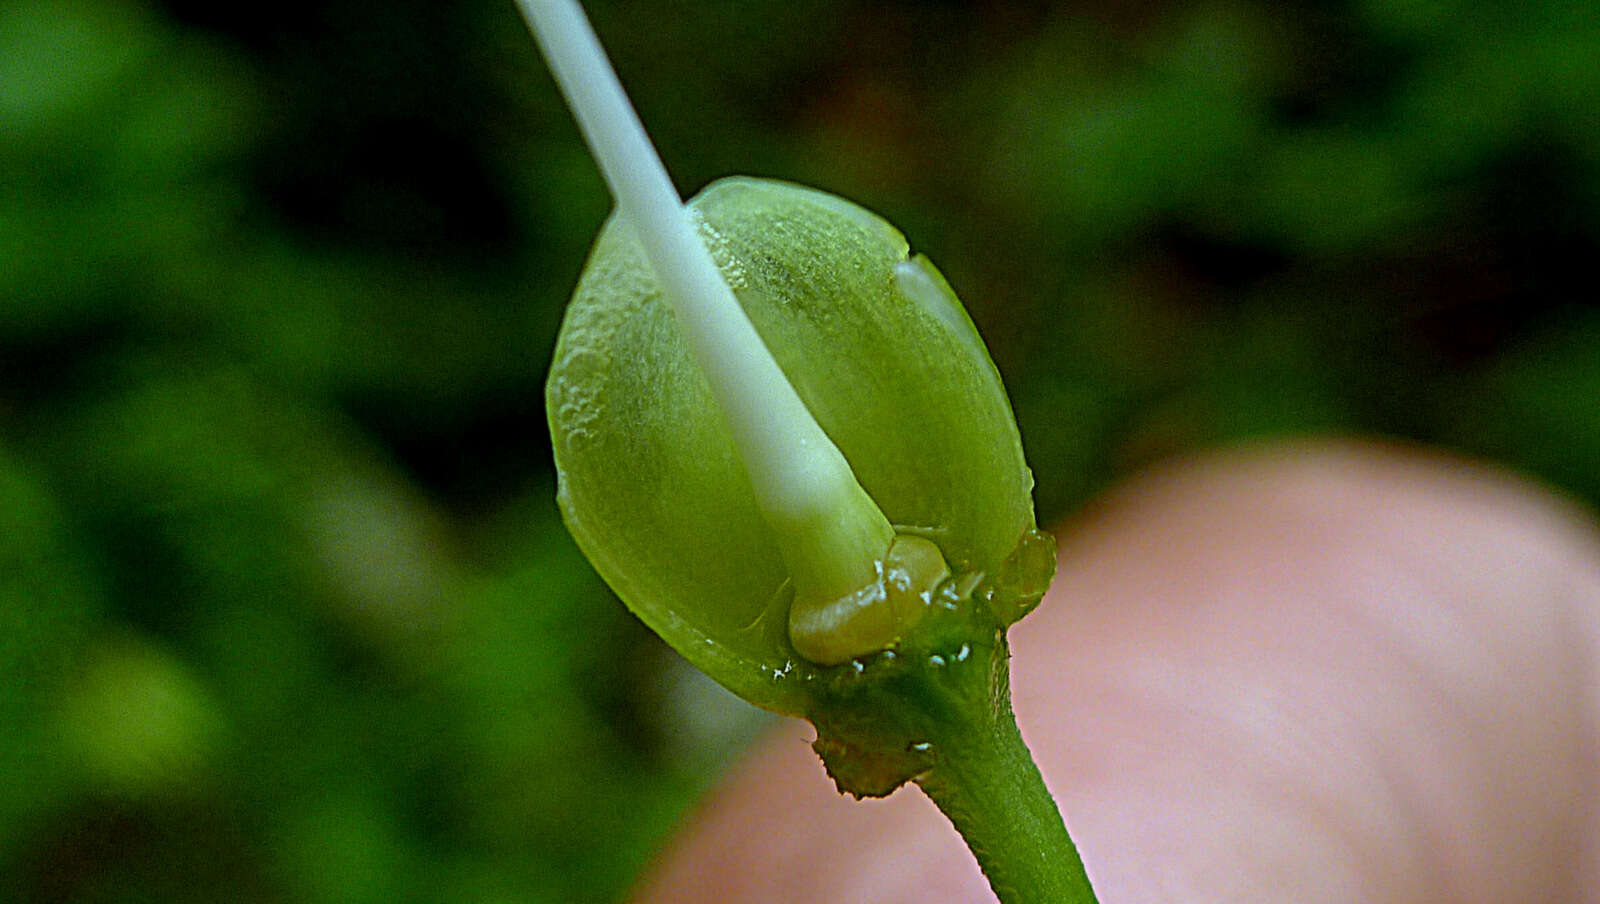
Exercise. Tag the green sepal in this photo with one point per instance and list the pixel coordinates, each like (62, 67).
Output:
(881, 352)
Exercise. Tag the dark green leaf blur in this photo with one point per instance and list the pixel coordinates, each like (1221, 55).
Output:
(286, 610)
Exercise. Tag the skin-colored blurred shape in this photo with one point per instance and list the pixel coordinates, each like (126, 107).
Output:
(1322, 672)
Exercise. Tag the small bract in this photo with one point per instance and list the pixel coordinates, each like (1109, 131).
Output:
(887, 360)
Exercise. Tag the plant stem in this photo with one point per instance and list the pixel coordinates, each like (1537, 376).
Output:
(986, 783)
(939, 713)
(831, 532)
(946, 722)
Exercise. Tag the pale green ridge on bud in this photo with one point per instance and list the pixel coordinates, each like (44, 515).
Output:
(831, 534)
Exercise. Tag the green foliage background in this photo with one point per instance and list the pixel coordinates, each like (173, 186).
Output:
(286, 611)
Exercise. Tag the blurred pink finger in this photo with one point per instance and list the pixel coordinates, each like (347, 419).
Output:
(1323, 672)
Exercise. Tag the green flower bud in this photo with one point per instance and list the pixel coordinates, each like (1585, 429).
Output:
(883, 355)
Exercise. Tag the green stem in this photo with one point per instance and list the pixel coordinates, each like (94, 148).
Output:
(985, 781)
(938, 712)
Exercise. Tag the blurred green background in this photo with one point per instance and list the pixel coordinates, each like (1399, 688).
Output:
(286, 610)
